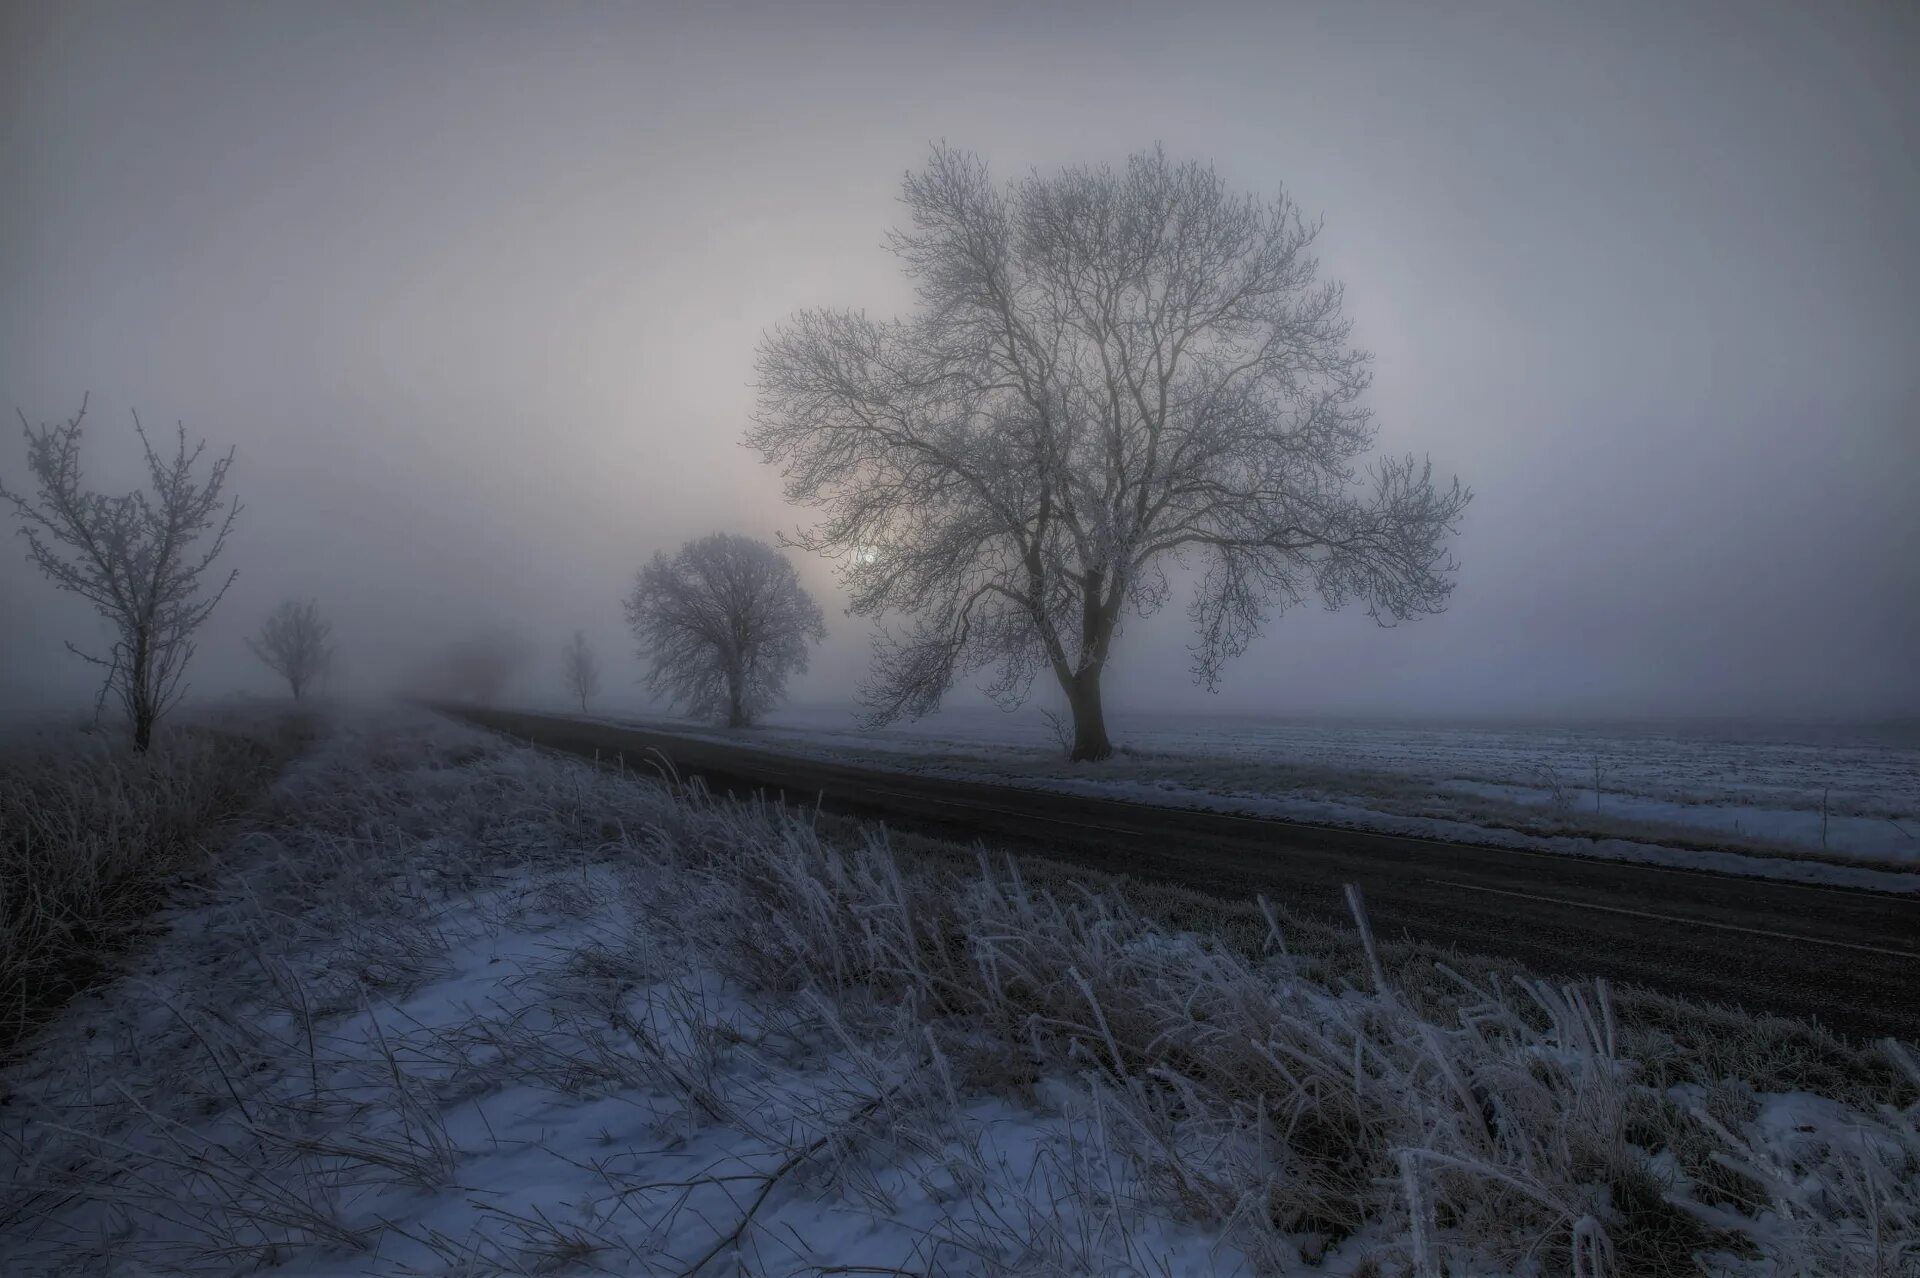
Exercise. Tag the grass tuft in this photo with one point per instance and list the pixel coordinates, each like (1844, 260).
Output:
(91, 831)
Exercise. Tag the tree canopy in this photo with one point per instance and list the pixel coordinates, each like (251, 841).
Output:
(1116, 379)
(723, 624)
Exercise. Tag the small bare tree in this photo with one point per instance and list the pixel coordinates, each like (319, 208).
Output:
(296, 643)
(139, 558)
(1114, 376)
(723, 623)
(582, 669)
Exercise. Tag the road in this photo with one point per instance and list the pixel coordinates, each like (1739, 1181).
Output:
(1848, 958)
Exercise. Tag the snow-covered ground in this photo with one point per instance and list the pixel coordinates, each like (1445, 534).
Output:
(431, 1026)
(456, 1006)
(1819, 803)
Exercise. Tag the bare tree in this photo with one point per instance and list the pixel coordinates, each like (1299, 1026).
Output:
(723, 624)
(582, 669)
(295, 642)
(1112, 374)
(479, 668)
(139, 558)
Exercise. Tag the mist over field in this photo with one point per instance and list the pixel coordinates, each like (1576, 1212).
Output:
(960, 640)
(475, 296)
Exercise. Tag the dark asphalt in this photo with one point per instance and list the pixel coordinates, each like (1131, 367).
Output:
(1850, 959)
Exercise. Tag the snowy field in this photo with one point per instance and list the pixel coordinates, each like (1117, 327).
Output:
(1746, 797)
(454, 1006)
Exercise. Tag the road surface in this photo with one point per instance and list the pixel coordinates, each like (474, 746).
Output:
(1848, 958)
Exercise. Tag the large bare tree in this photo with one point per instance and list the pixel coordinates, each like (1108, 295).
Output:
(723, 624)
(582, 669)
(140, 558)
(1114, 375)
(296, 643)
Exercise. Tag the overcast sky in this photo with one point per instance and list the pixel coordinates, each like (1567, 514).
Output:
(475, 291)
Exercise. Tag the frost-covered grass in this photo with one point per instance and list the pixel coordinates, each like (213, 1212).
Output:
(89, 830)
(1717, 796)
(462, 1007)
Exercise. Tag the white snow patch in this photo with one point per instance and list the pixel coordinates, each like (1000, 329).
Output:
(476, 1058)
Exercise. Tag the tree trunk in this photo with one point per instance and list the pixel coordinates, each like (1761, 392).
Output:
(1090, 742)
(139, 699)
(736, 712)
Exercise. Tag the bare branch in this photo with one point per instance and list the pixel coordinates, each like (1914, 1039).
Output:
(138, 558)
(722, 624)
(296, 643)
(1110, 372)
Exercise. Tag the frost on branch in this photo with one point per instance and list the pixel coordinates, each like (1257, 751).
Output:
(138, 558)
(723, 624)
(1116, 380)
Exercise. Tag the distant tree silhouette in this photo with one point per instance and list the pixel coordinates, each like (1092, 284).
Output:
(723, 624)
(479, 668)
(582, 669)
(295, 642)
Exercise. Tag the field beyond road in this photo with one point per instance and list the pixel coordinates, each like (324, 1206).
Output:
(1849, 959)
